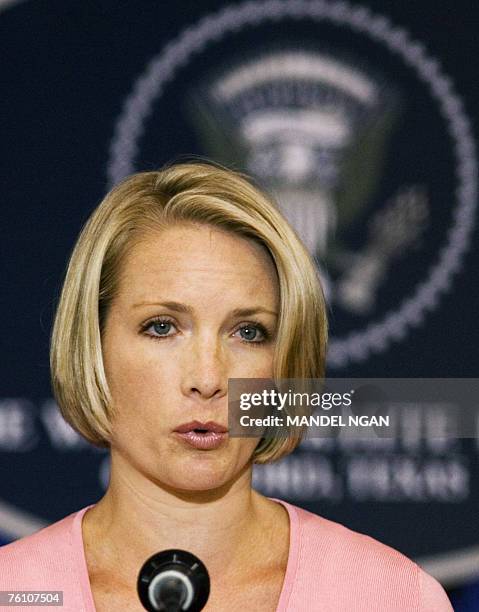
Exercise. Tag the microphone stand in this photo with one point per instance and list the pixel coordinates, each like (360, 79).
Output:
(173, 580)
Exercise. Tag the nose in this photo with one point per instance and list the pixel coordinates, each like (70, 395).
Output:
(205, 372)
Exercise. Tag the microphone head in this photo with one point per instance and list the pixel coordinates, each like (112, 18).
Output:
(173, 580)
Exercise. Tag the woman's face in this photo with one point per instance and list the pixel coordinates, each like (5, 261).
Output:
(172, 339)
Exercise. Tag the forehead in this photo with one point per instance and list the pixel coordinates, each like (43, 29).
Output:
(195, 257)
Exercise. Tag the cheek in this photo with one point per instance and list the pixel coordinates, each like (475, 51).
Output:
(255, 363)
(138, 379)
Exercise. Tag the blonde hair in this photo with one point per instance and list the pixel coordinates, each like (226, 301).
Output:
(143, 202)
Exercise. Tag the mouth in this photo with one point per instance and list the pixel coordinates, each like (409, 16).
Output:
(202, 436)
(202, 428)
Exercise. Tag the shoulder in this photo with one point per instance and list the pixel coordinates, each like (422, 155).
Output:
(347, 545)
(45, 554)
(431, 594)
(370, 573)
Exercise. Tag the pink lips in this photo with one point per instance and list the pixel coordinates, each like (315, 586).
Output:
(203, 436)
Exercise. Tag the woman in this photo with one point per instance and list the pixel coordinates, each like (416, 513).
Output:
(180, 280)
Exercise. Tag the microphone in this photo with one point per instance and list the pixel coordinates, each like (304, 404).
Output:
(173, 580)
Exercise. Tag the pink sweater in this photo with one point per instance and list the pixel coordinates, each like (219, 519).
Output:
(330, 569)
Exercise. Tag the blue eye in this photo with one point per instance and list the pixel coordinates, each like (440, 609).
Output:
(161, 328)
(249, 333)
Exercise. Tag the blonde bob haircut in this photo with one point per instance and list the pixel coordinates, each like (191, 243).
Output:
(150, 201)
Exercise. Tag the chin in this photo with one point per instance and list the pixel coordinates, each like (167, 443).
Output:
(207, 483)
(204, 473)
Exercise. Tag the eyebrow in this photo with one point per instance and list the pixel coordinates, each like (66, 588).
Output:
(179, 307)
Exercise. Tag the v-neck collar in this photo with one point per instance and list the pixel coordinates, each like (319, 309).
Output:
(288, 581)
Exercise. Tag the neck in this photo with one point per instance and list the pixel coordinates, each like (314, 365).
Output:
(137, 518)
